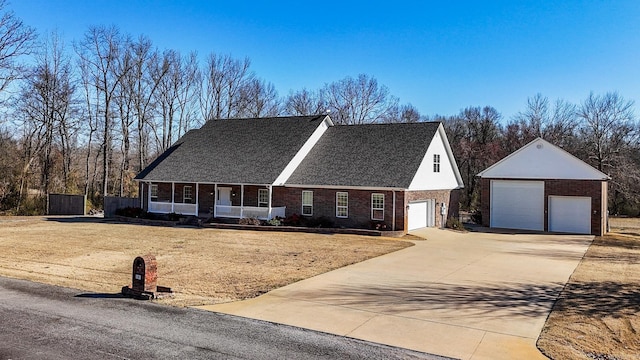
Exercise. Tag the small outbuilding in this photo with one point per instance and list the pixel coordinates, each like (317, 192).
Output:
(544, 188)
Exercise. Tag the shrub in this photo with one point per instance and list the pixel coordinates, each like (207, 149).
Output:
(378, 225)
(249, 221)
(321, 222)
(453, 223)
(132, 212)
(274, 222)
(476, 217)
(292, 220)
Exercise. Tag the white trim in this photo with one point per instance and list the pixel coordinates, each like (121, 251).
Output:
(452, 159)
(197, 199)
(344, 207)
(374, 209)
(184, 194)
(303, 152)
(215, 199)
(342, 187)
(268, 200)
(173, 197)
(303, 205)
(597, 174)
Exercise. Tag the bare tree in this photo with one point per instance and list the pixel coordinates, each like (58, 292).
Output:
(607, 127)
(16, 40)
(358, 101)
(46, 105)
(259, 99)
(406, 113)
(100, 54)
(175, 96)
(223, 79)
(305, 102)
(555, 123)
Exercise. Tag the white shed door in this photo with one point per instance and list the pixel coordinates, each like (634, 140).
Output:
(517, 204)
(421, 214)
(571, 214)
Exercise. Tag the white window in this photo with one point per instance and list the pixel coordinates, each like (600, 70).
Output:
(263, 197)
(186, 194)
(342, 204)
(436, 163)
(377, 206)
(154, 192)
(307, 202)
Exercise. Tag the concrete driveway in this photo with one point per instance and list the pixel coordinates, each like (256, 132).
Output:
(462, 295)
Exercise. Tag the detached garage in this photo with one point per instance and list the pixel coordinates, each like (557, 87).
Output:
(542, 187)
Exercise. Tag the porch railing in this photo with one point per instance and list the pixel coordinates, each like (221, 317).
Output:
(238, 212)
(167, 207)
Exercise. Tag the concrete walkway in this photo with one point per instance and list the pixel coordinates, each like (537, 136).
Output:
(462, 295)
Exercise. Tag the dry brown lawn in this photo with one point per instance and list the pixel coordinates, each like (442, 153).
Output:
(202, 266)
(598, 313)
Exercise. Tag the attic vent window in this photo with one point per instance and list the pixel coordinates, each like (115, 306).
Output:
(436, 163)
(539, 146)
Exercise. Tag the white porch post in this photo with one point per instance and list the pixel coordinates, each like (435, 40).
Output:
(270, 189)
(173, 196)
(197, 190)
(215, 200)
(149, 196)
(241, 200)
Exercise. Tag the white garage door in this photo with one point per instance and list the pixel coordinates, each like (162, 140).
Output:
(571, 214)
(517, 204)
(421, 214)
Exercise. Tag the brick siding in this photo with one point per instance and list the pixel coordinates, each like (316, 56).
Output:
(595, 189)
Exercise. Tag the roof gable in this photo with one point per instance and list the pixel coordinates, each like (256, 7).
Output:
(447, 176)
(371, 155)
(239, 151)
(540, 159)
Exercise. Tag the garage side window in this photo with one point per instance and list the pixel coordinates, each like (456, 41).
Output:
(377, 206)
(436, 163)
(342, 204)
(307, 202)
(154, 192)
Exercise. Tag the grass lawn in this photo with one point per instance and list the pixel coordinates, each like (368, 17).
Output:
(598, 313)
(202, 266)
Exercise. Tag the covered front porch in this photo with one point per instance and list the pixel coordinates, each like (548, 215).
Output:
(213, 200)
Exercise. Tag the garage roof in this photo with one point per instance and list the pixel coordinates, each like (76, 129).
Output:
(540, 159)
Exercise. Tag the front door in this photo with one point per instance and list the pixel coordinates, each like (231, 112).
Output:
(224, 196)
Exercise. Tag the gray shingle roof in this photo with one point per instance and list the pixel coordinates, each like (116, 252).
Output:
(375, 155)
(248, 151)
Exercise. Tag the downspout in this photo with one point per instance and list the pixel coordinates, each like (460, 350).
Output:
(197, 200)
(393, 212)
(173, 197)
(270, 187)
(241, 200)
(215, 200)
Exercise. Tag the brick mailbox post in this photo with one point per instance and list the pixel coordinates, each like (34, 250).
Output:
(144, 279)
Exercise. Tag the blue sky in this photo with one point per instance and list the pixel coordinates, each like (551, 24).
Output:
(441, 56)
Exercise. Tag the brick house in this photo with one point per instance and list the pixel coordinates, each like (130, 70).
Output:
(397, 174)
(542, 187)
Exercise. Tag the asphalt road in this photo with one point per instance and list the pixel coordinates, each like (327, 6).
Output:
(46, 322)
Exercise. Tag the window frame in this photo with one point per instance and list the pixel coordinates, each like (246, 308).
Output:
(265, 192)
(344, 207)
(379, 209)
(153, 189)
(309, 206)
(436, 163)
(184, 194)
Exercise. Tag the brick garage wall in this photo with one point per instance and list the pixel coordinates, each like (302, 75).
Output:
(595, 189)
(449, 197)
(324, 204)
(587, 188)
